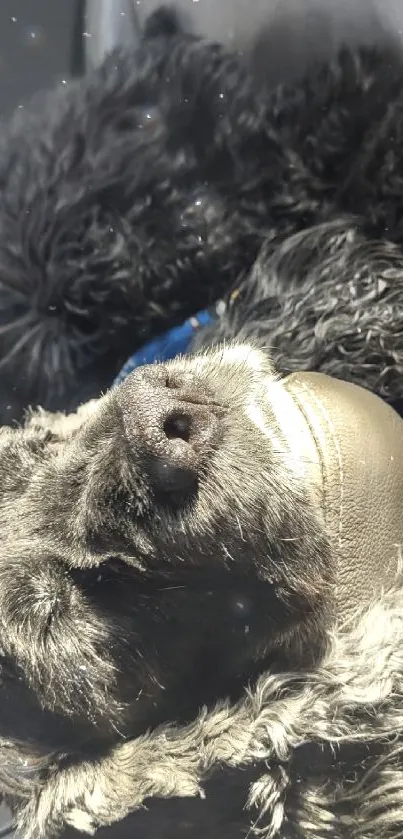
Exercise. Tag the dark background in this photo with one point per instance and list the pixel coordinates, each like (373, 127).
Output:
(39, 46)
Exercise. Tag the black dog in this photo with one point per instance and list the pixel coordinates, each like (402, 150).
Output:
(129, 202)
(145, 192)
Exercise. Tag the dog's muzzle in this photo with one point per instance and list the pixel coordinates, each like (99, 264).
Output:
(172, 419)
(343, 441)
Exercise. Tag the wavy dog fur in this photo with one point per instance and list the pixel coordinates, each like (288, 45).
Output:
(341, 289)
(147, 190)
(326, 746)
(153, 188)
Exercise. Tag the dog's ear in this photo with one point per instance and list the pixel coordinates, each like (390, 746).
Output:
(164, 22)
(92, 794)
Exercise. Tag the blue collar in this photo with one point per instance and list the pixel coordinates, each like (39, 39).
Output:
(171, 344)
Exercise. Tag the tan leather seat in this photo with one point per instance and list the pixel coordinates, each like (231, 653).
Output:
(359, 443)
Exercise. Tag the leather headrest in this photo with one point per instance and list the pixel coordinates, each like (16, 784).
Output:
(358, 441)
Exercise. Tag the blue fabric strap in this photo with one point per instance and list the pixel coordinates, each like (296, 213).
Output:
(174, 342)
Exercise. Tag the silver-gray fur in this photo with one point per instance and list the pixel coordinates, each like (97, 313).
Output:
(328, 744)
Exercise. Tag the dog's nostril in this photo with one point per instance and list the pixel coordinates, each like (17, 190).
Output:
(172, 425)
(170, 383)
(178, 427)
(179, 381)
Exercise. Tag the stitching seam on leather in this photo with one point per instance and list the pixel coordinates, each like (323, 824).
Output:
(336, 444)
(302, 408)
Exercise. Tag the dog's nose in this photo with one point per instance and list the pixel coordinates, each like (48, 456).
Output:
(173, 423)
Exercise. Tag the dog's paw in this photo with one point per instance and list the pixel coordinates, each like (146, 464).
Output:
(81, 821)
(93, 795)
(101, 804)
(73, 796)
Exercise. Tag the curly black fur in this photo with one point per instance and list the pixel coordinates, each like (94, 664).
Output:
(157, 185)
(136, 197)
(122, 211)
(343, 299)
